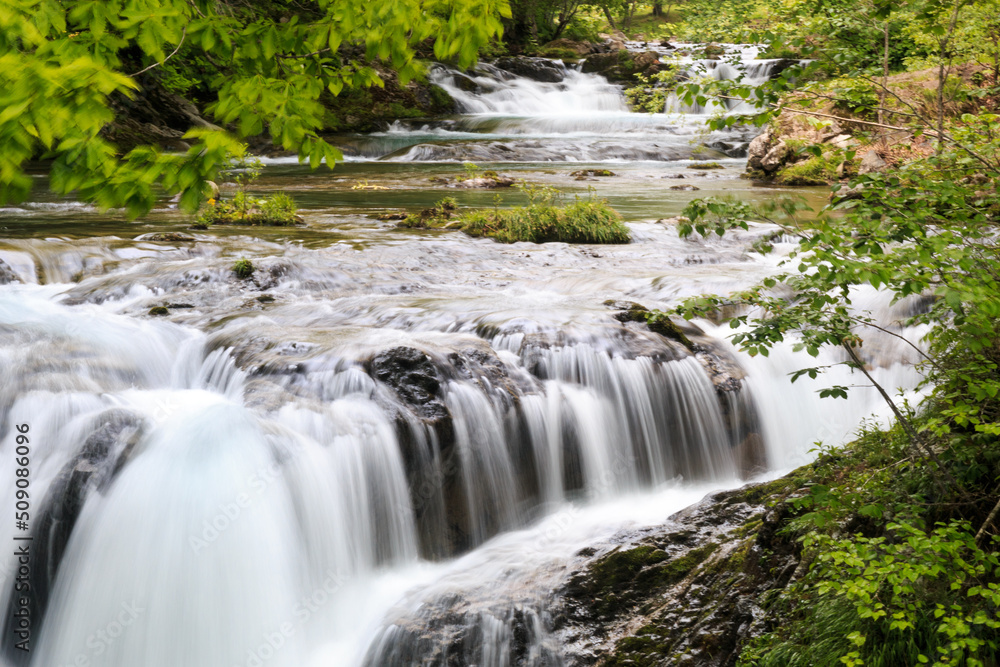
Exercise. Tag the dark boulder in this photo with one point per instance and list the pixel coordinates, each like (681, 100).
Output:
(537, 69)
(412, 375)
(622, 66)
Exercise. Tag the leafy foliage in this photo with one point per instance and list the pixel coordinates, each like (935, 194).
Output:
(62, 62)
(893, 579)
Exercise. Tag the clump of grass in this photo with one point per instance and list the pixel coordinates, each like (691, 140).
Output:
(277, 210)
(437, 216)
(243, 268)
(579, 222)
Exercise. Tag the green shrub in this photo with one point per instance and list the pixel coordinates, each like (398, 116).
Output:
(276, 210)
(579, 222)
(243, 268)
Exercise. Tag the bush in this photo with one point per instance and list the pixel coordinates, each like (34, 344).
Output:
(277, 210)
(579, 222)
(243, 268)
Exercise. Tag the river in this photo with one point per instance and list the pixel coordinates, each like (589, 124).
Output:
(297, 469)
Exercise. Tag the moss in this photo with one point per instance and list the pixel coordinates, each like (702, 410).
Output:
(620, 567)
(583, 173)
(777, 489)
(158, 311)
(705, 165)
(814, 171)
(243, 268)
(562, 53)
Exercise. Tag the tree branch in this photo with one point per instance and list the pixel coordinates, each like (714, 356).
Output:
(174, 53)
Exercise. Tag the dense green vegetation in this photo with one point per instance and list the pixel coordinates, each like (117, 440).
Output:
(900, 530)
(257, 67)
(579, 222)
(542, 221)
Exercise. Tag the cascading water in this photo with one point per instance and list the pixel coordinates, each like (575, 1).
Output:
(568, 117)
(379, 433)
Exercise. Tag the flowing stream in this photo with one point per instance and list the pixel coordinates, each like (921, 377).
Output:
(309, 467)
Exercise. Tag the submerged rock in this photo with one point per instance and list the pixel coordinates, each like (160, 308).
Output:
(103, 455)
(7, 274)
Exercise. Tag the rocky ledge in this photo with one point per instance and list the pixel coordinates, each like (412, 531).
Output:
(693, 591)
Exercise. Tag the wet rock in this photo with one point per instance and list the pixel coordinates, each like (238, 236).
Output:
(268, 276)
(491, 182)
(562, 48)
(393, 216)
(871, 162)
(713, 51)
(689, 592)
(412, 375)
(466, 83)
(170, 237)
(684, 187)
(158, 311)
(730, 148)
(584, 173)
(662, 324)
(7, 274)
(621, 66)
(537, 69)
(781, 65)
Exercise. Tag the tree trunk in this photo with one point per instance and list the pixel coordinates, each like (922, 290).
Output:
(885, 78)
(609, 17)
(657, 9)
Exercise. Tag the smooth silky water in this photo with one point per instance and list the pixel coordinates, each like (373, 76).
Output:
(309, 468)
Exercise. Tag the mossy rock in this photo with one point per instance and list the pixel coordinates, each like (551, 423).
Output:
(243, 268)
(657, 322)
(159, 311)
(623, 578)
(581, 174)
(705, 165)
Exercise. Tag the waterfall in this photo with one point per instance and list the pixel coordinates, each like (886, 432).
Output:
(503, 117)
(386, 447)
